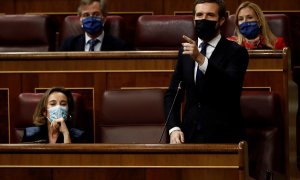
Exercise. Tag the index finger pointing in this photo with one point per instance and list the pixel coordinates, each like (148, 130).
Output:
(189, 40)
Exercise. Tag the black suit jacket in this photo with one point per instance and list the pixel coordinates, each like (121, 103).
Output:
(212, 107)
(77, 43)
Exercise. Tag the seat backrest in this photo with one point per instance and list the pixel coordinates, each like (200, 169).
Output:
(136, 116)
(131, 116)
(264, 132)
(278, 23)
(27, 104)
(163, 32)
(26, 33)
(114, 25)
(228, 28)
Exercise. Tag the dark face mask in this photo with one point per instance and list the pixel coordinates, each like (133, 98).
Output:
(92, 25)
(250, 29)
(206, 29)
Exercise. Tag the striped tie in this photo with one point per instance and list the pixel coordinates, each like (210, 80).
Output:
(93, 43)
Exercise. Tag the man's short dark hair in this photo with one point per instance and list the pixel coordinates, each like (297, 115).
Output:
(88, 2)
(222, 8)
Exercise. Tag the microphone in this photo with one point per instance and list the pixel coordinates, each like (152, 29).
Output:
(171, 109)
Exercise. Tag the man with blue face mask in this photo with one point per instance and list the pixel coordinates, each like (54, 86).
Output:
(92, 19)
(210, 72)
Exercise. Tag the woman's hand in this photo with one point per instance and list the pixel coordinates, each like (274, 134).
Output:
(60, 125)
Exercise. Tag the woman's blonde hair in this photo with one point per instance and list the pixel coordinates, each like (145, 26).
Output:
(270, 38)
(39, 117)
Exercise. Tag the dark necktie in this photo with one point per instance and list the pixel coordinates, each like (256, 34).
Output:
(93, 43)
(200, 74)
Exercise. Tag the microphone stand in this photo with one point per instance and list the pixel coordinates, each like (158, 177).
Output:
(169, 114)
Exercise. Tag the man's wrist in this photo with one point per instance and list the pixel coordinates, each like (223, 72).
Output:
(174, 129)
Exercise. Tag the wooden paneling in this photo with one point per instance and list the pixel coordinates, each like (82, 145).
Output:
(4, 112)
(156, 6)
(123, 161)
(102, 71)
(140, 80)
(277, 5)
(12, 84)
(26, 173)
(7, 7)
(177, 5)
(26, 6)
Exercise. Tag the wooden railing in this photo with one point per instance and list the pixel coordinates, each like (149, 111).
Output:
(124, 161)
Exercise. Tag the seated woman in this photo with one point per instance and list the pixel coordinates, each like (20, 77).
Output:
(252, 30)
(52, 118)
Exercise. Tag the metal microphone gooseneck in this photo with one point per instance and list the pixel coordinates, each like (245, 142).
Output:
(169, 114)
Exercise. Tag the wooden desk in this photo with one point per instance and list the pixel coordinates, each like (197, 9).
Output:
(124, 161)
(93, 73)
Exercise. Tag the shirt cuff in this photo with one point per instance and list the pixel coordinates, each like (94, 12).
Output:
(174, 129)
(203, 66)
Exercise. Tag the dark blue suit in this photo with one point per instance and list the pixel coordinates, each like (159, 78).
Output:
(77, 43)
(212, 107)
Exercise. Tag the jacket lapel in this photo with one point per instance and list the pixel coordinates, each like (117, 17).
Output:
(81, 43)
(219, 51)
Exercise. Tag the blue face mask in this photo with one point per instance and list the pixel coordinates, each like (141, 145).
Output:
(92, 25)
(57, 112)
(250, 29)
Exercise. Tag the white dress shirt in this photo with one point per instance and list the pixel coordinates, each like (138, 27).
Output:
(209, 50)
(97, 46)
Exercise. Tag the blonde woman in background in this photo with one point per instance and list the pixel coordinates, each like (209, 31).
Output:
(252, 30)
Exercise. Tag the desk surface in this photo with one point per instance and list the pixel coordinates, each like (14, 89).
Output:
(233, 156)
(121, 148)
(125, 161)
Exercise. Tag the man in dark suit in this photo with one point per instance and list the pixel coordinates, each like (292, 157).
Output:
(92, 19)
(210, 72)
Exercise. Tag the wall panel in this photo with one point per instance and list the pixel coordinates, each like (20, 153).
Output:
(7, 6)
(136, 6)
(27, 6)
(179, 5)
(10, 87)
(4, 118)
(277, 5)
(157, 6)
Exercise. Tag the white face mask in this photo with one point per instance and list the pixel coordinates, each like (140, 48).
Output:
(57, 112)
